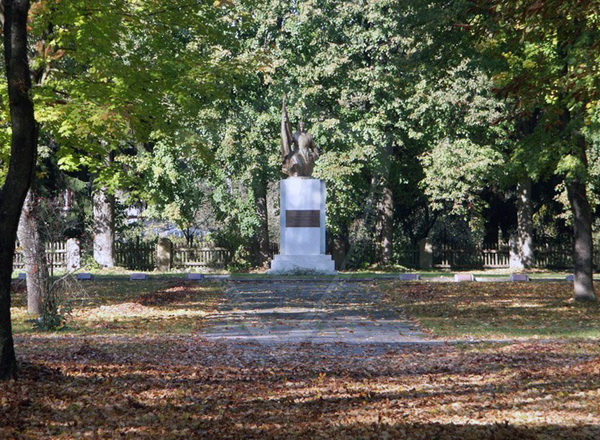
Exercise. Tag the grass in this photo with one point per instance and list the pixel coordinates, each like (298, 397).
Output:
(109, 306)
(119, 273)
(496, 310)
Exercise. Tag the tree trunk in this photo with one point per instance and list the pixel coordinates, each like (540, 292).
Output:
(260, 194)
(385, 225)
(525, 223)
(34, 253)
(492, 236)
(514, 259)
(104, 228)
(339, 250)
(583, 247)
(22, 164)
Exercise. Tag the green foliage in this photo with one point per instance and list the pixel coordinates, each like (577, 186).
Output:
(179, 105)
(547, 63)
(463, 123)
(348, 69)
(123, 79)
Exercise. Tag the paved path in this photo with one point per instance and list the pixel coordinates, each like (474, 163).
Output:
(308, 311)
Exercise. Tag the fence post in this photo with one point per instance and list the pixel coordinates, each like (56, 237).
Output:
(164, 254)
(73, 257)
(425, 254)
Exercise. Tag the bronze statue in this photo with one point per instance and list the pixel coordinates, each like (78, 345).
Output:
(298, 150)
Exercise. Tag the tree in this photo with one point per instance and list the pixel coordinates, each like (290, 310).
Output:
(545, 55)
(22, 163)
(34, 253)
(525, 245)
(124, 83)
(245, 161)
(104, 227)
(347, 71)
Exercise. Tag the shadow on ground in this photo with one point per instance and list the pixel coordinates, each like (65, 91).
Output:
(190, 387)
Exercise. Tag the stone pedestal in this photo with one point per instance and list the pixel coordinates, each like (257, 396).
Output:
(302, 245)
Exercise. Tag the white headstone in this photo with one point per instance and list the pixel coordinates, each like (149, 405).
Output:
(464, 277)
(73, 254)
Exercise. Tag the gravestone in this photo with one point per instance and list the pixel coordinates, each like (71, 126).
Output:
(425, 254)
(85, 276)
(410, 277)
(195, 276)
(519, 277)
(73, 254)
(459, 277)
(138, 277)
(164, 254)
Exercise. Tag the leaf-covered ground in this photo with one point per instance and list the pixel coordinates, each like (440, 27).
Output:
(86, 384)
(498, 310)
(129, 307)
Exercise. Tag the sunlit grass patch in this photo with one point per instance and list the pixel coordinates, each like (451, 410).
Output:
(131, 307)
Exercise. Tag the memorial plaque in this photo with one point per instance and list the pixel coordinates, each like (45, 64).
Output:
(303, 218)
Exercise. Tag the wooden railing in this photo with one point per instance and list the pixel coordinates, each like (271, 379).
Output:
(496, 257)
(141, 255)
(187, 257)
(56, 253)
(557, 256)
(408, 257)
(136, 254)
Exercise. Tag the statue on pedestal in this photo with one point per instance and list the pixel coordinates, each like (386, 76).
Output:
(299, 150)
(302, 205)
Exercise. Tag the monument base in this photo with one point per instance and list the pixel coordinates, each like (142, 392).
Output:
(302, 264)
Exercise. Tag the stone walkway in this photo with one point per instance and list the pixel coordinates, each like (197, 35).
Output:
(308, 312)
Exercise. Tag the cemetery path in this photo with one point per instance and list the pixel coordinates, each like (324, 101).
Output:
(272, 312)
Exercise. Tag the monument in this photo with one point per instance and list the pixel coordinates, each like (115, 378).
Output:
(302, 208)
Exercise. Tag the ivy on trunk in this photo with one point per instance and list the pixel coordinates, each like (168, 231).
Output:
(22, 164)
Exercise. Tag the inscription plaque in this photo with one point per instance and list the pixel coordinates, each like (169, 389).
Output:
(303, 218)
